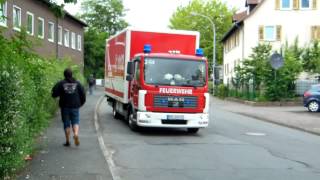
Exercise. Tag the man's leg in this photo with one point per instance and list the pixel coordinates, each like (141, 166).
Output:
(75, 129)
(67, 134)
(90, 90)
(75, 126)
(66, 125)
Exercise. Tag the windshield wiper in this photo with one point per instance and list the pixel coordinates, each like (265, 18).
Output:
(189, 85)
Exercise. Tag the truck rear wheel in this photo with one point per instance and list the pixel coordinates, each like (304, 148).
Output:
(132, 124)
(115, 114)
(193, 130)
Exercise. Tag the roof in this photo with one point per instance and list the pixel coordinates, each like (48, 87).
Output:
(240, 17)
(234, 27)
(248, 2)
(66, 14)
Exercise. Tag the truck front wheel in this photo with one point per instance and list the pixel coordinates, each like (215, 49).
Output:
(132, 124)
(193, 130)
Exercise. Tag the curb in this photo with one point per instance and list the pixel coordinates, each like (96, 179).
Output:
(279, 123)
(107, 152)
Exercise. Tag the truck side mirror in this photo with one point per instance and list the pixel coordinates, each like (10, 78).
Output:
(129, 77)
(130, 68)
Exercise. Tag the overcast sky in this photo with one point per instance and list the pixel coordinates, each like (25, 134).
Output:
(152, 14)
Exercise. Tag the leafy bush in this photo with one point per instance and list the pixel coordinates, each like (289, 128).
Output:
(222, 91)
(311, 58)
(268, 83)
(280, 84)
(210, 83)
(25, 100)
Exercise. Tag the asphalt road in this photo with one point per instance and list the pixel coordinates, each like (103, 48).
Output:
(232, 147)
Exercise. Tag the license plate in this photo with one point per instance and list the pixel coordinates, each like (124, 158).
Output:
(175, 117)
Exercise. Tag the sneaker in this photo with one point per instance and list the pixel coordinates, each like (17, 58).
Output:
(76, 140)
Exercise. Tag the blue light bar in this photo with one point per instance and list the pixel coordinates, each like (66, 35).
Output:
(147, 48)
(199, 52)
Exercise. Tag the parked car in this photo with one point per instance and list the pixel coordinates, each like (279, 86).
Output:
(311, 98)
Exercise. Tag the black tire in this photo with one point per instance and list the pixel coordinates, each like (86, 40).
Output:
(115, 114)
(132, 124)
(314, 106)
(193, 130)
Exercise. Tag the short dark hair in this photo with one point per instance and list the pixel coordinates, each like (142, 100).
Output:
(67, 73)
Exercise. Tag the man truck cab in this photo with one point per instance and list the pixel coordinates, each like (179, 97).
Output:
(166, 88)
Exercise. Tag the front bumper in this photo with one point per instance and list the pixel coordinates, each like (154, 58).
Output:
(151, 119)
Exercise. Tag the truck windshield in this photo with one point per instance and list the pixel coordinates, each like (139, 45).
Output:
(174, 72)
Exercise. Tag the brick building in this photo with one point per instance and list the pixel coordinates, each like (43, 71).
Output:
(52, 36)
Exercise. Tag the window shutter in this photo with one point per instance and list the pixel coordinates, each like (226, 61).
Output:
(296, 4)
(317, 32)
(279, 28)
(277, 5)
(313, 31)
(314, 4)
(261, 33)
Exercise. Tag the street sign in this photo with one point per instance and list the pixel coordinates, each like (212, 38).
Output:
(276, 61)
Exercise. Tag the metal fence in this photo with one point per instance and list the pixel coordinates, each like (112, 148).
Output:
(303, 85)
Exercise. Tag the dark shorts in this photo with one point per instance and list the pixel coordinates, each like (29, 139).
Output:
(70, 116)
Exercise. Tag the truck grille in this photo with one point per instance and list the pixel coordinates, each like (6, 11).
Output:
(175, 101)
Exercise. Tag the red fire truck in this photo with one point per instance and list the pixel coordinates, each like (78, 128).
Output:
(157, 79)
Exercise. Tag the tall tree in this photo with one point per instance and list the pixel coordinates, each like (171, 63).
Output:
(217, 11)
(105, 18)
(58, 9)
(94, 46)
(104, 15)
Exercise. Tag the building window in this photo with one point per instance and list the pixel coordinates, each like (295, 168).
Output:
(285, 4)
(73, 40)
(40, 27)
(79, 41)
(305, 4)
(51, 32)
(3, 14)
(269, 33)
(16, 18)
(30, 23)
(66, 38)
(60, 35)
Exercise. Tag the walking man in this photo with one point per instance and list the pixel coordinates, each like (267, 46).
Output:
(92, 83)
(72, 97)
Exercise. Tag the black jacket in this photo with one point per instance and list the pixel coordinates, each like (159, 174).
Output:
(71, 93)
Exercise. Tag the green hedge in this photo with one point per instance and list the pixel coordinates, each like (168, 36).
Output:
(25, 99)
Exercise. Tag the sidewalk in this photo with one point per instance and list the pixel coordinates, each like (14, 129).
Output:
(53, 161)
(296, 117)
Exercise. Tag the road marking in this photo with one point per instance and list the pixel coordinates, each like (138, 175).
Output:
(255, 134)
(107, 153)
